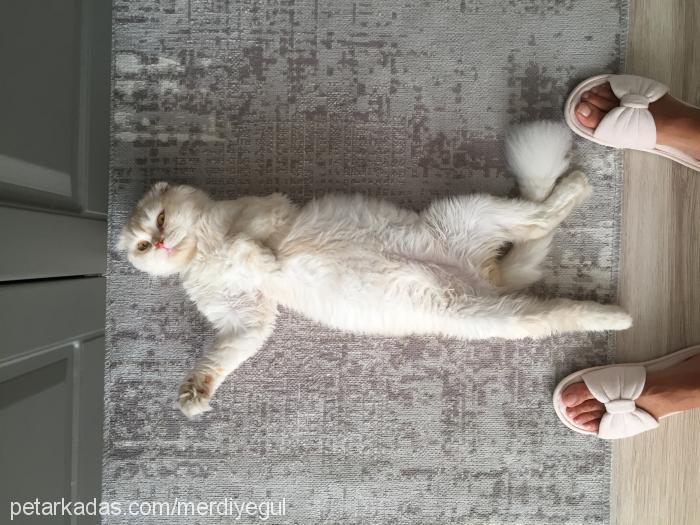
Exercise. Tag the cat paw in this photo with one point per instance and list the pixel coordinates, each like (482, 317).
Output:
(619, 320)
(576, 186)
(607, 317)
(195, 393)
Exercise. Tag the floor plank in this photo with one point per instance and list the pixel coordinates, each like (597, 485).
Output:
(656, 476)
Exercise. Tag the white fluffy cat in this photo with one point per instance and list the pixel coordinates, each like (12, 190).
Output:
(366, 265)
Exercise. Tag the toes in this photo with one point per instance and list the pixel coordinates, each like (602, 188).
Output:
(591, 405)
(194, 394)
(588, 115)
(595, 103)
(582, 408)
(192, 401)
(605, 91)
(575, 394)
(588, 417)
(192, 406)
(591, 426)
(196, 384)
(602, 103)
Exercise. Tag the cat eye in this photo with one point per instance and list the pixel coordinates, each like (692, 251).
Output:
(143, 246)
(161, 219)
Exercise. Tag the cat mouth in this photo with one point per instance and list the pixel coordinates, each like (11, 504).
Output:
(169, 250)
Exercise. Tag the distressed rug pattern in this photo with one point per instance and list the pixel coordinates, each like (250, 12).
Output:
(407, 100)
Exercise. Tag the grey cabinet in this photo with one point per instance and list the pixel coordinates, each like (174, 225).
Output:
(54, 163)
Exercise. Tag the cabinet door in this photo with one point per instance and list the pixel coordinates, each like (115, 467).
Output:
(54, 164)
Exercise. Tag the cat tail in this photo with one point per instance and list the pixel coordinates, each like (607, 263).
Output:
(538, 154)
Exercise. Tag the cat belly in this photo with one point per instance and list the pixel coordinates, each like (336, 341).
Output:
(369, 292)
(367, 266)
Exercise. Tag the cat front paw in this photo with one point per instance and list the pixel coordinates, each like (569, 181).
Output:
(195, 393)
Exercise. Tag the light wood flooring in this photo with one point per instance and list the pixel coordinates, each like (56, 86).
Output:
(656, 476)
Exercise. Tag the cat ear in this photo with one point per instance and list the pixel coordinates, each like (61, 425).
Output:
(160, 187)
(123, 241)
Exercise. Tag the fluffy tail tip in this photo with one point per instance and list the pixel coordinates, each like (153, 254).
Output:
(537, 154)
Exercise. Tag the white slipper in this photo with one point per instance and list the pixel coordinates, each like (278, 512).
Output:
(630, 125)
(617, 386)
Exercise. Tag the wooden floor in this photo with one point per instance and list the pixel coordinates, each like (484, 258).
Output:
(656, 476)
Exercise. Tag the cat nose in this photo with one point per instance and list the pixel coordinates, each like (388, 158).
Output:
(159, 244)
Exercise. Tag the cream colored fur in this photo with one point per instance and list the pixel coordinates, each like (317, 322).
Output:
(366, 265)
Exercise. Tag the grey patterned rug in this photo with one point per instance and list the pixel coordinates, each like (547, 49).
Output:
(402, 99)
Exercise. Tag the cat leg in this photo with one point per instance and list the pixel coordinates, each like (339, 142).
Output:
(567, 194)
(542, 318)
(522, 265)
(516, 317)
(463, 223)
(473, 230)
(241, 334)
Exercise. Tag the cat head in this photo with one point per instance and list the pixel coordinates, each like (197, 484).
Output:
(160, 235)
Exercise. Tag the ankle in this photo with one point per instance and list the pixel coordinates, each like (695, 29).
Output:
(677, 130)
(669, 391)
(677, 124)
(655, 398)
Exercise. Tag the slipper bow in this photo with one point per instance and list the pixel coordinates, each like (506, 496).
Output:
(631, 124)
(618, 388)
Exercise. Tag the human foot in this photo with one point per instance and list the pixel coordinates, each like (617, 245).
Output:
(677, 124)
(666, 391)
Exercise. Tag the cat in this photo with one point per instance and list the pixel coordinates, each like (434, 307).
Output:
(366, 265)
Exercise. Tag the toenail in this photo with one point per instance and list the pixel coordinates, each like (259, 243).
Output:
(569, 398)
(584, 110)
(586, 95)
